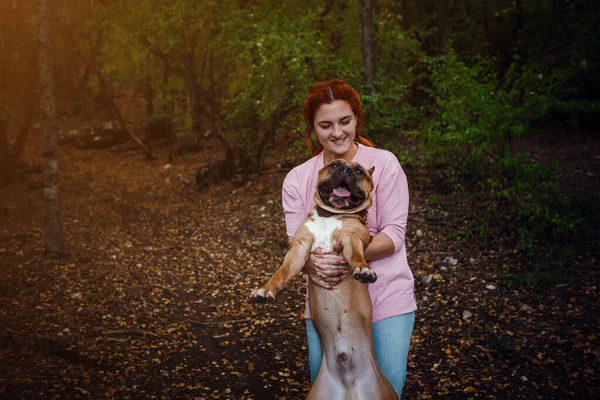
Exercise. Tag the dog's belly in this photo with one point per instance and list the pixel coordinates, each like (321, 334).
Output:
(342, 318)
(322, 230)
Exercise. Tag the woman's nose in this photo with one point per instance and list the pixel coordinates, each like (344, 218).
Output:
(337, 130)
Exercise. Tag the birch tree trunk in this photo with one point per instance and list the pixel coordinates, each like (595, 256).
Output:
(53, 234)
(369, 45)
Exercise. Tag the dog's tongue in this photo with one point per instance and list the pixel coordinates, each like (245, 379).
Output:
(341, 192)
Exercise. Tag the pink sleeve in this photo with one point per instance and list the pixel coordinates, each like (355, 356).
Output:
(292, 203)
(392, 194)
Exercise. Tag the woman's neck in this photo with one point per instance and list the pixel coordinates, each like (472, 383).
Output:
(329, 157)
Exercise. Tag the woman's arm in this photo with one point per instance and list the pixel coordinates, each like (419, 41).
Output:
(292, 203)
(392, 211)
(380, 247)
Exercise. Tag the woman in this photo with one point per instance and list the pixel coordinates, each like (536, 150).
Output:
(334, 112)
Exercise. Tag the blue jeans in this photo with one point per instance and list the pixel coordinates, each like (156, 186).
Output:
(391, 338)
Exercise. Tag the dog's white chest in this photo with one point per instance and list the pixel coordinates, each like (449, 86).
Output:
(322, 229)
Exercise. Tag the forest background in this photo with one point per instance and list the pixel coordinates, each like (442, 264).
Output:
(467, 81)
(468, 89)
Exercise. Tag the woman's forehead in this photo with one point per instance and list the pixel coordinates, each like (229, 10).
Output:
(336, 110)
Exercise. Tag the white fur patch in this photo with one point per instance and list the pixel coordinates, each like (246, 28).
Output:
(322, 228)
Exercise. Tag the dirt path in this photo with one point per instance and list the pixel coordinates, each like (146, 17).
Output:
(151, 299)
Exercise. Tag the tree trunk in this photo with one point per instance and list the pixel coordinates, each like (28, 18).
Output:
(519, 6)
(105, 89)
(442, 26)
(149, 96)
(194, 96)
(486, 18)
(9, 155)
(5, 167)
(369, 45)
(53, 233)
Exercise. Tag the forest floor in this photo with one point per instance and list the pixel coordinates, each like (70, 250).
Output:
(150, 300)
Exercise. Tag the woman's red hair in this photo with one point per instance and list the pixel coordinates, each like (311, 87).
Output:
(327, 93)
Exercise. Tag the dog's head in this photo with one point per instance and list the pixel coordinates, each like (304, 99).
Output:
(344, 187)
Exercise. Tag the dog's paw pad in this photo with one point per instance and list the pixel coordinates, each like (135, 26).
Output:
(262, 295)
(364, 275)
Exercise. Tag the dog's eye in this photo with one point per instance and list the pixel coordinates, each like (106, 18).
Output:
(335, 165)
(359, 171)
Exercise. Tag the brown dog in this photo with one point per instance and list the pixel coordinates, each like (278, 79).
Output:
(342, 317)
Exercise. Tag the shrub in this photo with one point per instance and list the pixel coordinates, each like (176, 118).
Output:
(469, 127)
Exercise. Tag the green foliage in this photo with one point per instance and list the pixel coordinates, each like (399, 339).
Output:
(272, 75)
(242, 70)
(242, 67)
(387, 110)
(549, 93)
(433, 201)
(542, 211)
(557, 67)
(470, 116)
(473, 121)
(167, 46)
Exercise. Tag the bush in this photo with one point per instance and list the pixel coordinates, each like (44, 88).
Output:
(470, 119)
(469, 127)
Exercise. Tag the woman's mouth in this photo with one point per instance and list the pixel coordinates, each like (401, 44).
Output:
(339, 140)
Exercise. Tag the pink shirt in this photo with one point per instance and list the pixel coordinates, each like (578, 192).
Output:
(392, 294)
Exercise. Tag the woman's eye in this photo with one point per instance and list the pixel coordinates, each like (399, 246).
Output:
(345, 122)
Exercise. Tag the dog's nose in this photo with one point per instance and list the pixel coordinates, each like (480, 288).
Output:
(346, 170)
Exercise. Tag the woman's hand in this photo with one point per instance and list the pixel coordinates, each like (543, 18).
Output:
(326, 269)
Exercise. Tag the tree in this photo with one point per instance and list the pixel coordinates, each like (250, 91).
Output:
(53, 234)
(10, 154)
(17, 93)
(369, 45)
(77, 41)
(442, 22)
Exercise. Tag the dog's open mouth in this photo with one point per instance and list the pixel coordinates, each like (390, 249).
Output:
(342, 198)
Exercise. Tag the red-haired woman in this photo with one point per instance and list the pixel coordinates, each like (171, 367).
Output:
(334, 112)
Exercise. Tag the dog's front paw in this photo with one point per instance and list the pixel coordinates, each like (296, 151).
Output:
(261, 295)
(364, 275)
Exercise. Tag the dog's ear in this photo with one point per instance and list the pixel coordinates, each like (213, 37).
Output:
(371, 170)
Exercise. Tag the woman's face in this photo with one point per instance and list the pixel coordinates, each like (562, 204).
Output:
(335, 126)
